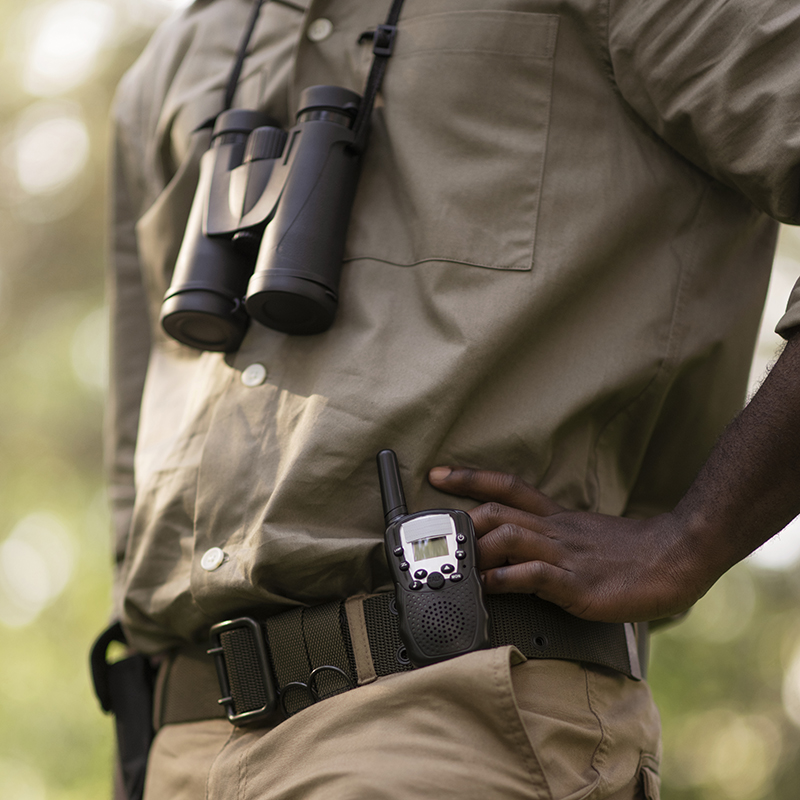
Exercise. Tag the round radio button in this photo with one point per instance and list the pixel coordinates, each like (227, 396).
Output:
(456, 577)
(436, 580)
(421, 573)
(460, 554)
(461, 538)
(398, 551)
(447, 568)
(415, 585)
(404, 565)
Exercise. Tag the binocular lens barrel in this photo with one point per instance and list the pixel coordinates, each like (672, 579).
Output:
(207, 318)
(301, 188)
(295, 285)
(203, 307)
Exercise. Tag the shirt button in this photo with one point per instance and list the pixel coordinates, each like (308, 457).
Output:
(254, 375)
(320, 29)
(212, 559)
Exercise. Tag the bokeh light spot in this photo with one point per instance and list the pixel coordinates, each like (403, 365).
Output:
(50, 148)
(791, 689)
(25, 571)
(20, 782)
(89, 349)
(724, 613)
(732, 754)
(69, 36)
(782, 551)
(36, 563)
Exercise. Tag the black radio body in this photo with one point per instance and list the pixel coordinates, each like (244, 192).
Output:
(432, 557)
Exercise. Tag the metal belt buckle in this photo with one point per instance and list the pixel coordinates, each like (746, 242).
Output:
(245, 677)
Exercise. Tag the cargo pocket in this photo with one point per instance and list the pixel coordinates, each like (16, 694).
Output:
(649, 778)
(453, 171)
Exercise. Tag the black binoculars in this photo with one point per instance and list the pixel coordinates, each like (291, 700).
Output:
(267, 227)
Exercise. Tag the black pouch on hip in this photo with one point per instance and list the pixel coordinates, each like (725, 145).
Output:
(125, 689)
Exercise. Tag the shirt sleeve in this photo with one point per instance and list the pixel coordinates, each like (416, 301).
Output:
(718, 81)
(790, 321)
(129, 336)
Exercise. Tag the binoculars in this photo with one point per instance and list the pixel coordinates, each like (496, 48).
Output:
(267, 227)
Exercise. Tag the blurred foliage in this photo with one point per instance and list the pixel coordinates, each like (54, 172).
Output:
(719, 679)
(54, 742)
(727, 679)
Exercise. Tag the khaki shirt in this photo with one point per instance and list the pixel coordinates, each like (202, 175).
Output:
(555, 267)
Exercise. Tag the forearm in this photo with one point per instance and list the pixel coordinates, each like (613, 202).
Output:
(617, 569)
(748, 489)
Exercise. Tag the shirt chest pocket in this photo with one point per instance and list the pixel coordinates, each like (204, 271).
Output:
(453, 170)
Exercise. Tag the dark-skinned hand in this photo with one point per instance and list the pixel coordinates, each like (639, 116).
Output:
(624, 570)
(594, 566)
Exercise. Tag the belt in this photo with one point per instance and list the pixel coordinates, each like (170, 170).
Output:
(271, 668)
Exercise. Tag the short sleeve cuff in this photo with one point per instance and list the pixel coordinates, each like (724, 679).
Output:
(791, 319)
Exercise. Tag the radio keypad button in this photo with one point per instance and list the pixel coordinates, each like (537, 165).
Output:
(460, 554)
(456, 577)
(398, 551)
(460, 538)
(447, 568)
(436, 580)
(415, 585)
(421, 573)
(404, 565)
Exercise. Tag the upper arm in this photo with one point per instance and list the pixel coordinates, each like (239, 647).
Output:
(718, 81)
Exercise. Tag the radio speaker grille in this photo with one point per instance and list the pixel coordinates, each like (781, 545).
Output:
(441, 624)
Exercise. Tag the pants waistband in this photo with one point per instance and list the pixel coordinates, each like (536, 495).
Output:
(310, 654)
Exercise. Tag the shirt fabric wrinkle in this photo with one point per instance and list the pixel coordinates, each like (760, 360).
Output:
(565, 368)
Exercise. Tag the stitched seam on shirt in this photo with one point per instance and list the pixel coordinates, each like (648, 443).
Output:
(474, 51)
(604, 35)
(611, 76)
(443, 259)
(554, 36)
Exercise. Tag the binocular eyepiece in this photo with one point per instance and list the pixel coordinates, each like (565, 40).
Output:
(267, 227)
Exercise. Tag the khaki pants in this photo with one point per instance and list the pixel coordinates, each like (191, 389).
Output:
(486, 725)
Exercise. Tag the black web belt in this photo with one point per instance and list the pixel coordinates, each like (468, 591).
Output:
(274, 667)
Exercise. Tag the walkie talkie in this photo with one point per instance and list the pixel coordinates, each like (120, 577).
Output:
(433, 560)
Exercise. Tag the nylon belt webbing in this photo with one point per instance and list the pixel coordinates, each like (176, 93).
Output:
(311, 655)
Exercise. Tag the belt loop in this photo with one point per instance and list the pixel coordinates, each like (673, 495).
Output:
(633, 651)
(643, 646)
(365, 667)
(160, 690)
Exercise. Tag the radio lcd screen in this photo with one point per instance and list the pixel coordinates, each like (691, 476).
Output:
(430, 548)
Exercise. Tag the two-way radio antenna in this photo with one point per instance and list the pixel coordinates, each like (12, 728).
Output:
(394, 500)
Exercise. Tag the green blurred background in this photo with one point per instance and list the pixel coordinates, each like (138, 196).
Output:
(727, 679)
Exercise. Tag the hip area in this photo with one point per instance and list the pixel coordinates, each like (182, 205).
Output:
(488, 724)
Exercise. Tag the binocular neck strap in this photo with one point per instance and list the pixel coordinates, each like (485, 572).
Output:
(241, 54)
(382, 45)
